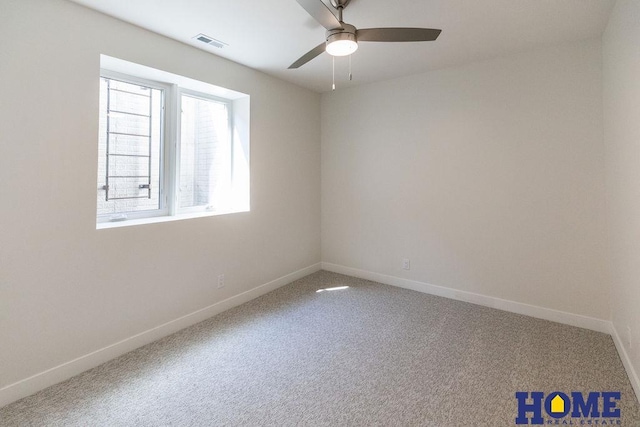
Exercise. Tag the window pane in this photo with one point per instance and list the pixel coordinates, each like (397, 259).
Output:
(125, 124)
(128, 187)
(205, 153)
(126, 144)
(129, 147)
(124, 166)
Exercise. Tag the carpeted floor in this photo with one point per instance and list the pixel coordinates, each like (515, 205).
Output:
(367, 355)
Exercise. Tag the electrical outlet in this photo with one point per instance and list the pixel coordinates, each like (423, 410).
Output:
(406, 264)
(629, 341)
(220, 281)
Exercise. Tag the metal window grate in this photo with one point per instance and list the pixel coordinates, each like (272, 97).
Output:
(111, 171)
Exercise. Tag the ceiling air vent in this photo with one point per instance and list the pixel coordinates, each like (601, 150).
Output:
(210, 40)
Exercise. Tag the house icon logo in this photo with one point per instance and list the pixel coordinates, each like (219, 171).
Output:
(557, 405)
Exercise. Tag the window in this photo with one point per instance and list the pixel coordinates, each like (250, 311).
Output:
(205, 154)
(169, 147)
(129, 148)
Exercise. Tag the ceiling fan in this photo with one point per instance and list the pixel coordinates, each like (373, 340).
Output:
(342, 38)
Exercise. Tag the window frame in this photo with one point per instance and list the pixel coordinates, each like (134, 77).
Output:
(169, 152)
(163, 209)
(180, 91)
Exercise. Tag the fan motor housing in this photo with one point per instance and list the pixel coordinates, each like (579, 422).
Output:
(348, 32)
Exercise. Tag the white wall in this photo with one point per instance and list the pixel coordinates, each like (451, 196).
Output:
(621, 69)
(489, 177)
(67, 289)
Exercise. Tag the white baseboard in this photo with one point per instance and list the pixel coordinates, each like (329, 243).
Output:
(626, 361)
(42, 380)
(578, 320)
(591, 323)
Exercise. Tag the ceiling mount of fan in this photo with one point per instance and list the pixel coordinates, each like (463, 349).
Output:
(342, 39)
(339, 3)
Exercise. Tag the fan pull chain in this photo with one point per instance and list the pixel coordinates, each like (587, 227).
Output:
(350, 75)
(333, 62)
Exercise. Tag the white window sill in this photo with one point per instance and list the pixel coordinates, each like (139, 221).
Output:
(157, 219)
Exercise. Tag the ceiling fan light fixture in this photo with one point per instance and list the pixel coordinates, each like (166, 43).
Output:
(342, 38)
(341, 44)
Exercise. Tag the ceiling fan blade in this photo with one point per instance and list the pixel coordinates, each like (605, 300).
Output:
(321, 13)
(309, 56)
(397, 34)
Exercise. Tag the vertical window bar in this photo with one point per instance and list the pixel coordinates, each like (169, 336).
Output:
(227, 107)
(150, 139)
(106, 187)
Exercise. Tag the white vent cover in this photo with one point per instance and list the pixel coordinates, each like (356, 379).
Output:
(210, 40)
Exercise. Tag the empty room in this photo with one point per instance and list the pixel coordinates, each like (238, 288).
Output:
(319, 212)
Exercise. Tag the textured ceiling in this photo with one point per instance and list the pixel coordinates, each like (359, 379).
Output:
(270, 35)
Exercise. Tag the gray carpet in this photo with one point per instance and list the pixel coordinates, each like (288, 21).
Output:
(368, 355)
